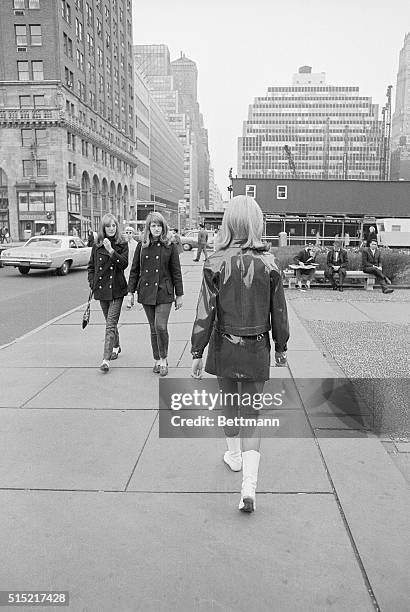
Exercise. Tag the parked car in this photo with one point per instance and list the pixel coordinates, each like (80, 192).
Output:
(190, 239)
(53, 252)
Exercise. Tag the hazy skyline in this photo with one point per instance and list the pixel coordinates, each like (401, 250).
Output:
(242, 48)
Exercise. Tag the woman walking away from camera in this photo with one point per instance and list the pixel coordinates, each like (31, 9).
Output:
(132, 245)
(108, 260)
(156, 275)
(241, 299)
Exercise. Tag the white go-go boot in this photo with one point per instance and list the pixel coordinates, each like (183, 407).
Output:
(233, 456)
(250, 466)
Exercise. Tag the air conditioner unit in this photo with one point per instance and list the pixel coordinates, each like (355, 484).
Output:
(22, 49)
(18, 12)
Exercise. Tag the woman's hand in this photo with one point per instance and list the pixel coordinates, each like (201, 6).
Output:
(197, 368)
(178, 302)
(107, 246)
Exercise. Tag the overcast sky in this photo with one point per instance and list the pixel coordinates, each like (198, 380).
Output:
(242, 47)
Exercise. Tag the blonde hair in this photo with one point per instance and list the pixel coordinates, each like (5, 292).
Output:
(242, 220)
(155, 217)
(101, 232)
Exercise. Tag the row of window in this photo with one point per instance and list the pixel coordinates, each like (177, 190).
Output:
(23, 4)
(32, 167)
(28, 35)
(281, 191)
(30, 71)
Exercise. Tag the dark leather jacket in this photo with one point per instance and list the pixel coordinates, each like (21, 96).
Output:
(241, 294)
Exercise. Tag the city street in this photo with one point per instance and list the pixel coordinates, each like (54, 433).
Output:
(26, 302)
(97, 504)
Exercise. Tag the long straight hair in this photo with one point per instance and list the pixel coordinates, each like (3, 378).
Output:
(155, 217)
(101, 232)
(242, 220)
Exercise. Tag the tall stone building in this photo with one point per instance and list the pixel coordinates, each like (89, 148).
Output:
(400, 138)
(331, 132)
(173, 86)
(67, 120)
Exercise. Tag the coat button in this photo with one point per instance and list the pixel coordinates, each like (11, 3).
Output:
(146, 256)
(156, 270)
(146, 270)
(111, 268)
(146, 284)
(110, 286)
(110, 276)
(155, 283)
(156, 256)
(100, 287)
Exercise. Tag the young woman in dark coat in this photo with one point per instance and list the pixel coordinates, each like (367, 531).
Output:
(108, 260)
(241, 299)
(156, 275)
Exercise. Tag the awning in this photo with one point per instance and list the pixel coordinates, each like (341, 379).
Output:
(80, 217)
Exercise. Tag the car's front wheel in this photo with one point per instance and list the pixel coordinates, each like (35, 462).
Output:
(24, 270)
(64, 269)
(187, 246)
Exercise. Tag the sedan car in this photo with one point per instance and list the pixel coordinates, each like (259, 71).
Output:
(53, 252)
(190, 239)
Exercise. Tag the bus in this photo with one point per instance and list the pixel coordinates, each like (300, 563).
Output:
(394, 233)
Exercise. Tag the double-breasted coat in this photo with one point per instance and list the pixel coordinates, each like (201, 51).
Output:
(106, 272)
(156, 273)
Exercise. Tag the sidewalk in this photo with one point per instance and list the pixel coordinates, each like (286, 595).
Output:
(93, 502)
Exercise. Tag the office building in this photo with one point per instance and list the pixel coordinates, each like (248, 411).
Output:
(332, 132)
(173, 86)
(67, 152)
(400, 137)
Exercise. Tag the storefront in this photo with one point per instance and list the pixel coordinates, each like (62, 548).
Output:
(36, 209)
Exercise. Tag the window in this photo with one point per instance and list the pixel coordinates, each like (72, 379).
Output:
(37, 68)
(250, 190)
(281, 192)
(27, 138)
(25, 101)
(27, 167)
(38, 101)
(23, 71)
(35, 36)
(99, 27)
(41, 137)
(21, 35)
(78, 29)
(90, 41)
(80, 60)
(89, 12)
(66, 11)
(69, 78)
(41, 167)
(81, 90)
(396, 228)
(33, 4)
(18, 4)
(79, 5)
(100, 57)
(68, 46)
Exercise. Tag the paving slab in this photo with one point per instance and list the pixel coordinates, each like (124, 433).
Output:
(389, 312)
(375, 500)
(331, 397)
(135, 389)
(71, 449)
(310, 364)
(320, 310)
(120, 552)
(59, 346)
(196, 465)
(18, 385)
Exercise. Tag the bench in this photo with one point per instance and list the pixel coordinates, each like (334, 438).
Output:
(320, 274)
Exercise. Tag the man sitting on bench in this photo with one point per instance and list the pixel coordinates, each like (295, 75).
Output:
(336, 265)
(371, 264)
(305, 265)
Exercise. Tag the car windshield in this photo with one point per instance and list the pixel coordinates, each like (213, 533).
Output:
(43, 242)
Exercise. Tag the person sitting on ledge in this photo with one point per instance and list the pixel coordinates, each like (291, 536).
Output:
(306, 269)
(336, 265)
(371, 264)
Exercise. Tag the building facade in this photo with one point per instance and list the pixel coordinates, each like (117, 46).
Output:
(319, 210)
(332, 132)
(173, 86)
(400, 137)
(67, 120)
